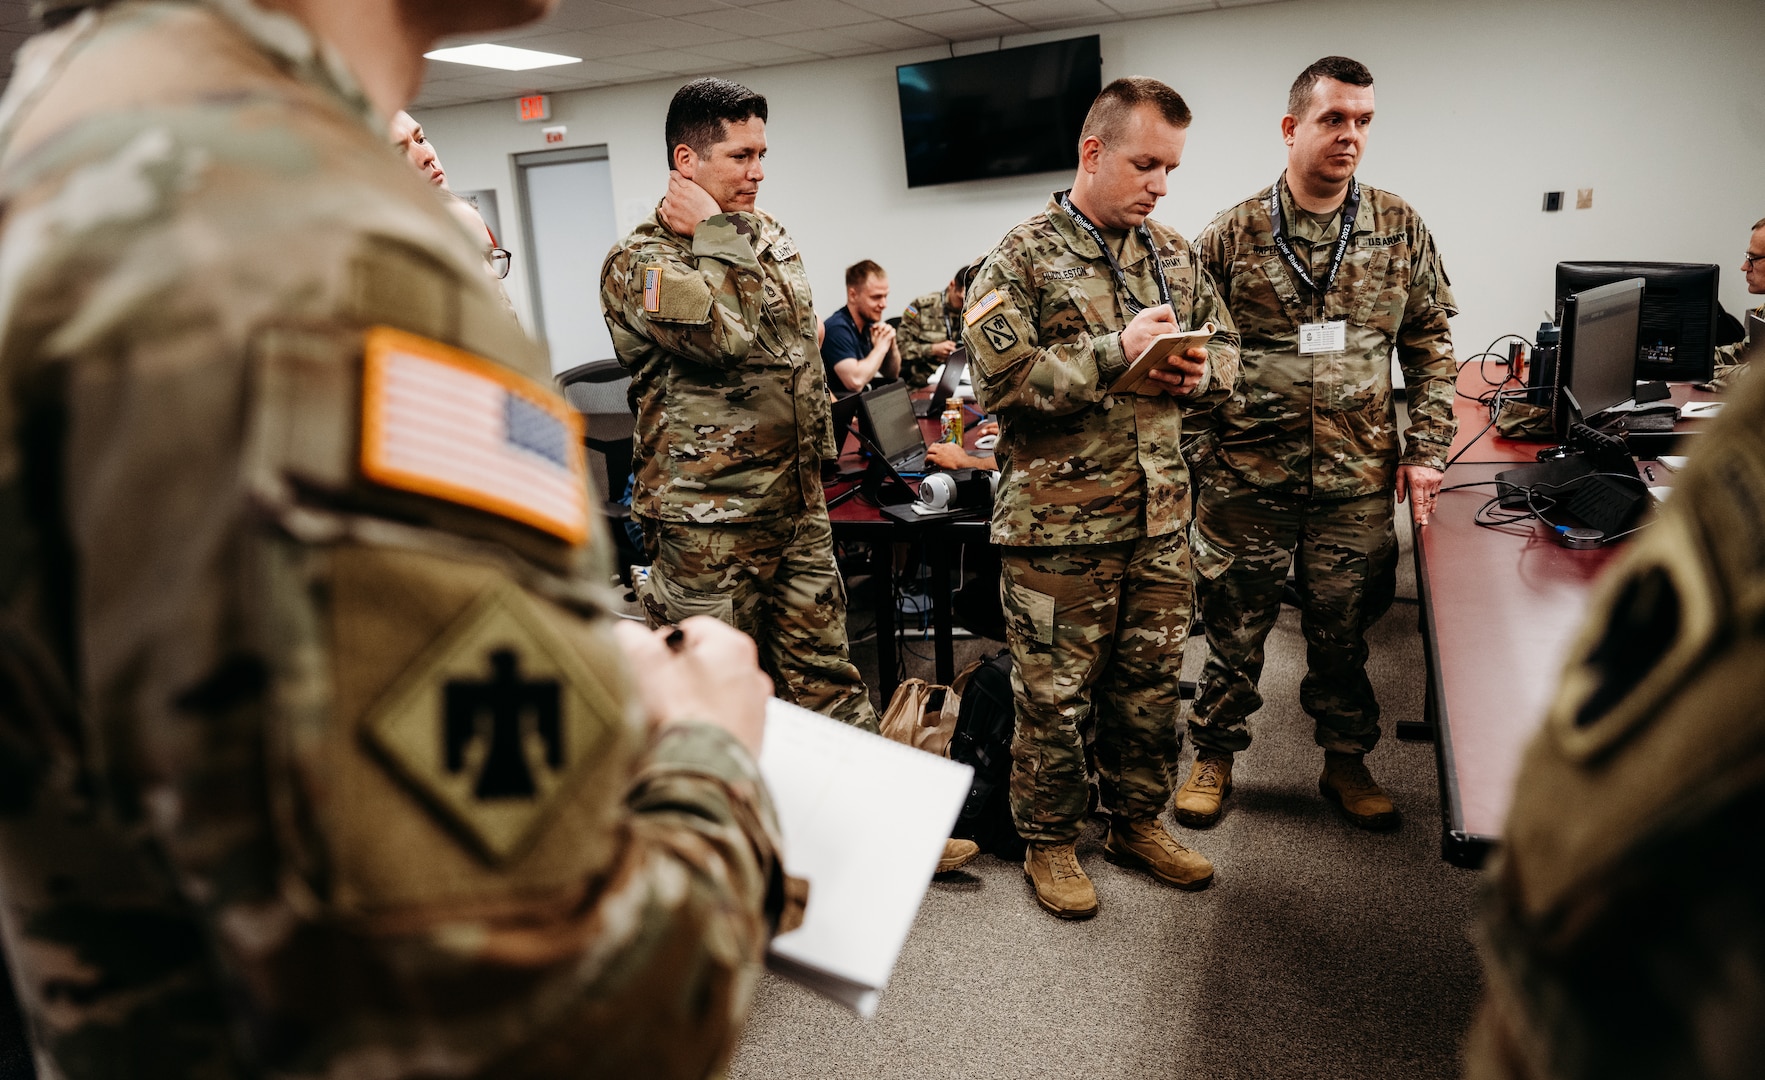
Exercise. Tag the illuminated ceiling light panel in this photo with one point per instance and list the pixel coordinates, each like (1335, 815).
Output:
(501, 57)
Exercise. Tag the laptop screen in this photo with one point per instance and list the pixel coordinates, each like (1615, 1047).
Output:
(951, 378)
(892, 421)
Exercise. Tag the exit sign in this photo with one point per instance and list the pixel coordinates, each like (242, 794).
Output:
(534, 107)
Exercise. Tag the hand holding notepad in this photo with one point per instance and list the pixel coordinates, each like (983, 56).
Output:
(1160, 354)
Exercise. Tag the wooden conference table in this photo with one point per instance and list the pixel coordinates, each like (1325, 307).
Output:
(1500, 608)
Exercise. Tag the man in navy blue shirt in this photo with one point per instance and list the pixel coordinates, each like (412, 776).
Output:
(859, 347)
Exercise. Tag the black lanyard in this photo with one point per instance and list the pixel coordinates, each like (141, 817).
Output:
(1349, 210)
(1128, 299)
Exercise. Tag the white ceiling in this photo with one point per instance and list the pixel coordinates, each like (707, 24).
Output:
(638, 40)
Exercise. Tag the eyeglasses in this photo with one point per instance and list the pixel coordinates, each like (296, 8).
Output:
(499, 261)
(1749, 259)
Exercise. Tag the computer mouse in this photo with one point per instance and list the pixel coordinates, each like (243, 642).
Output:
(986, 442)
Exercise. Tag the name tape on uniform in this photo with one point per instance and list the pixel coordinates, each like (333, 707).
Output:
(987, 303)
(441, 422)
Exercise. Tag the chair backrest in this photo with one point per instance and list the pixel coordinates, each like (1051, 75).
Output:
(597, 388)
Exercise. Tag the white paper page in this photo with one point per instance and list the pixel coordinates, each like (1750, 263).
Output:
(864, 820)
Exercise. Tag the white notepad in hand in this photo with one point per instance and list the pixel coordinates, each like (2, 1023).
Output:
(864, 820)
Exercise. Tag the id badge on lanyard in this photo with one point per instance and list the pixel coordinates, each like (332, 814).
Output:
(1323, 338)
(1327, 336)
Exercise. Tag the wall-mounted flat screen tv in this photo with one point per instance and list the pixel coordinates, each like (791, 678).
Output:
(1004, 113)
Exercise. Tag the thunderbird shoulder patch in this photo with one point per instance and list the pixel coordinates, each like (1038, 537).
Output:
(441, 422)
(491, 721)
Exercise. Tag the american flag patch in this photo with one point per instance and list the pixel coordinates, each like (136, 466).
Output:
(652, 289)
(441, 422)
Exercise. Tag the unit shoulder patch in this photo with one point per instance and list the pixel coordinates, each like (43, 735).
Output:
(489, 724)
(441, 422)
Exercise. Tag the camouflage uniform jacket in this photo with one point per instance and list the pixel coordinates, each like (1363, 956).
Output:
(270, 803)
(718, 332)
(1731, 360)
(1077, 464)
(925, 322)
(1326, 425)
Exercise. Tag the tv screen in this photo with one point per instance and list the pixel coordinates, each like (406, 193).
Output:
(1677, 338)
(1004, 113)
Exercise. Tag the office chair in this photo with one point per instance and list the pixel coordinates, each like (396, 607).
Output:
(597, 390)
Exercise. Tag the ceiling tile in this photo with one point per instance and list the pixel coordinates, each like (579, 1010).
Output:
(743, 22)
(891, 35)
(752, 51)
(896, 9)
(668, 9)
(1159, 7)
(668, 34)
(815, 14)
(959, 24)
(1039, 12)
(588, 15)
(583, 44)
(673, 62)
(825, 42)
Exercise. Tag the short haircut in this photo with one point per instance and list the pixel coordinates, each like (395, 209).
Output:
(960, 277)
(859, 272)
(702, 110)
(1340, 68)
(1760, 224)
(1119, 99)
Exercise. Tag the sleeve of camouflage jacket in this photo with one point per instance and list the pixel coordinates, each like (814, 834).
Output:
(709, 304)
(1222, 348)
(912, 339)
(1424, 352)
(1057, 378)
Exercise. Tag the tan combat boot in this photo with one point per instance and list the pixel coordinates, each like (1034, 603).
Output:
(1210, 781)
(1145, 845)
(1347, 783)
(957, 854)
(1062, 887)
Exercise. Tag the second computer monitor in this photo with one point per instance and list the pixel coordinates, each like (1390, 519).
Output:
(1598, 363)
(1676, 341)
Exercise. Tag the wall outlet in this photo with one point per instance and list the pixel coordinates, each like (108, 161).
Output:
(1553, 201)
(1583, 198)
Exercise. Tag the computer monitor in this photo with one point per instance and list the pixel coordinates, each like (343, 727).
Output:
(1676, 342)
(1598, 361)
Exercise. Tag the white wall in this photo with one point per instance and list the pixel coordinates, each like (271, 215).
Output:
(1483, 106)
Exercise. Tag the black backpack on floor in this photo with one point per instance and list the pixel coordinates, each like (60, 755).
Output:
(984, 724)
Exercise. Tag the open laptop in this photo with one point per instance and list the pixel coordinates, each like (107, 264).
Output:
(886, 419)
(954, 365)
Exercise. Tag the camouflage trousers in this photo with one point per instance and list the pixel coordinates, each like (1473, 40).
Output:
(1245, 538)
(1096, 634)
(775, 580)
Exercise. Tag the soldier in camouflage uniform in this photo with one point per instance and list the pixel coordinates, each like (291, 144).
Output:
(321, 757)
(929, 330)
(1731, 360)
(709, 309)
(1303, 460)
(1093, 496)
(1623, 923)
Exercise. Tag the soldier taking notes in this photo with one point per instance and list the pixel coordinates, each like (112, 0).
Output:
(1093, 495)
(322, 754)
(708, 304)
(1324, 277)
